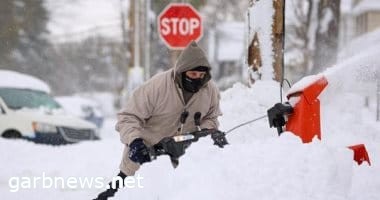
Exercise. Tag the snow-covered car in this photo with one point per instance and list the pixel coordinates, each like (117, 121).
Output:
(28, 111)
(84, 108)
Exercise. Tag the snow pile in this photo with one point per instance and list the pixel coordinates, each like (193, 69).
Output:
(304, 83)
(12, 79)
(25, 159)
(264, 169)
(257, 163)
(241, 104)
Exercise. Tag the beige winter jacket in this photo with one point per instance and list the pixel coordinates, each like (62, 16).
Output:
(153, 111)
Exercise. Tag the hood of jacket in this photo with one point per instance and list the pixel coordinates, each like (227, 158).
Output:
(191, 57)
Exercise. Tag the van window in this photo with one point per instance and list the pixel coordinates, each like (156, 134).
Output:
(26, 98)
(2, 111)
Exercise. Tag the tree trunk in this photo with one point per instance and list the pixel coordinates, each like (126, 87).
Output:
(131, 17)
(254, 57)
(326, 41)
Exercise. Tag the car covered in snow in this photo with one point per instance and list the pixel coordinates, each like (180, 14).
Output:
(82, 107)
(28, 111)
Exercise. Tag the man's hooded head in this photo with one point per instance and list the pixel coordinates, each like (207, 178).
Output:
(192, 58)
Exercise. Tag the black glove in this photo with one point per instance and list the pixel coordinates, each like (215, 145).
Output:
(219, 138)
(277, 113)
(110, 192)
(138, 151)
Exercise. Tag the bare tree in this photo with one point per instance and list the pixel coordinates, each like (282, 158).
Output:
(326, 45)
(311, 36)
(298, 42)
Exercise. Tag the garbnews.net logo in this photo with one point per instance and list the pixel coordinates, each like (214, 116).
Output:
(46, 182)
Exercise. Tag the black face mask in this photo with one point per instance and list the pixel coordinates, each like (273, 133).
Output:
(191, 85)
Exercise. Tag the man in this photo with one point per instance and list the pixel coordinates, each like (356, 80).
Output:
(153, 111)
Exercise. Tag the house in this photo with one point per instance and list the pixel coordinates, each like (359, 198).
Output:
(358, 17)
(226, 51)
(367, 15)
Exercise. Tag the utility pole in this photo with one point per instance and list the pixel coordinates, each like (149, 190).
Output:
(278, 38)
(255, 58)
(137, 34)
(131, 20)
(147, 40)
(124, 36)
(174, 54)
(378, 95)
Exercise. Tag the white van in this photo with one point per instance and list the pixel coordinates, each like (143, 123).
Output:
(28, 111)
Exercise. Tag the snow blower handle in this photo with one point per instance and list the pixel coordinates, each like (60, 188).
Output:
(176, 146)
(197, 120)
(182, 119)
(184, 116)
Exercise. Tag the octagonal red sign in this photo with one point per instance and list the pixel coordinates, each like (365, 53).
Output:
(179, 24)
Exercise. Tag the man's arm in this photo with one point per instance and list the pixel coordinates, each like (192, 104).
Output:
(131, 120)
(210, 120)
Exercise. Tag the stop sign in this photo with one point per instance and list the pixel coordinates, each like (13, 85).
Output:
(179, 24)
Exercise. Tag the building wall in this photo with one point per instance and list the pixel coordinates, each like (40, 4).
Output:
(373, 21)
(367, 22)
(361, 24)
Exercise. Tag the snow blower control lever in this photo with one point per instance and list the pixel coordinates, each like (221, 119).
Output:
(278, 115)
(197, 120)
(182, 119)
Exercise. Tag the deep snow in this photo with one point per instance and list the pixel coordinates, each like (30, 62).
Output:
(256, 165)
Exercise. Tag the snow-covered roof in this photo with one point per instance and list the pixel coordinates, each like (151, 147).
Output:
(231, 41)
(366, 5)
(14, 79)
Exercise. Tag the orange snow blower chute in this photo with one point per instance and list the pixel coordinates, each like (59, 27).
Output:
(305, 120)
(304, 116)
(360, 154)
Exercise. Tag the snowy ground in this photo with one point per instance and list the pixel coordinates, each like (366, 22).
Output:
(257, 165)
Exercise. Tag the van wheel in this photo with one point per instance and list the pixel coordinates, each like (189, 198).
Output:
(11, 134)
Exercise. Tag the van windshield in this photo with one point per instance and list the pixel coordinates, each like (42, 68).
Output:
(26, 98)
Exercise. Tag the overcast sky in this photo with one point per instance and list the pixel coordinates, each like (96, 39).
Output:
(75, 19)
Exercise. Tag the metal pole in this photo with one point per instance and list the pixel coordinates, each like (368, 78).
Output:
(124, 38)
(378, 96)
(147, 40)
(136, 34)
